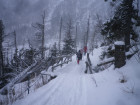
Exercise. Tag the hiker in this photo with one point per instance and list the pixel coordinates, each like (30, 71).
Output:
(85, 50)
(81, 53)
(79, 56)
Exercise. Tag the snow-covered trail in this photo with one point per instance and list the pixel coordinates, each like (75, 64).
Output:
(73, 87)
(70, 88)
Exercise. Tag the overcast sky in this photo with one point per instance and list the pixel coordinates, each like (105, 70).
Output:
(20, 14)
(21, 11)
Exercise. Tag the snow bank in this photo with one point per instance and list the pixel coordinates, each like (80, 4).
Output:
(119, 43)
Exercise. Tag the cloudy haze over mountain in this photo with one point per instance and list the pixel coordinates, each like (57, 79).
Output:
(19, 15)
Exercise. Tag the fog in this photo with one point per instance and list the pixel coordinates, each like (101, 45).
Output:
(19, 15)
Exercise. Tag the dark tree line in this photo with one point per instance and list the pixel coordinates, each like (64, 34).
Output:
(20, 60)
(13, 63)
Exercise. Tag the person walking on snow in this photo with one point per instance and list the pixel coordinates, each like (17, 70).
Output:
(79, 56)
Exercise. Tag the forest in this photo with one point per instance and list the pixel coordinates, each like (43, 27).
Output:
(40, 41)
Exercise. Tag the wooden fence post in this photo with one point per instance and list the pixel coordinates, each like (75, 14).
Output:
(61, 62)
(86, 67)
(119, 54)
(10, 95)
(71, 58)
(67, 60)
(43, 82)
(88, 58)
(52, 68)
(28, 84)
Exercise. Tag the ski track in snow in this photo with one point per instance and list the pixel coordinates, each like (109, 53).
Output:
(51, 89)
(69, 88)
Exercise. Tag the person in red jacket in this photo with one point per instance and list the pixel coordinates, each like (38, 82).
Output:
(85, 49)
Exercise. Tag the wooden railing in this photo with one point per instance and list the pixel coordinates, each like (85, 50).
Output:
(88, 65)
(59, 61)
(36, 68)
(103, 64)
(46, 77)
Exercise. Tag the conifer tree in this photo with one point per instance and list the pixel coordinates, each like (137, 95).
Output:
(54, 50)
(69, 41)
(120, 27)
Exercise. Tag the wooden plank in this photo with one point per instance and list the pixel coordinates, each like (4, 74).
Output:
(113, 59)
(106, 62)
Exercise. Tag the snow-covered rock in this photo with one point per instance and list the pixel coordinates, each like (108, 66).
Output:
(119, 43)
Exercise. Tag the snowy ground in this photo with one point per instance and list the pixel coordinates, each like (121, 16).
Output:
(73, 87)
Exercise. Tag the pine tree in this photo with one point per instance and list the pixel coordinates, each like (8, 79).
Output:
(120, 27)
(29, 56)
(68, 46)
(69, 43)
(54, 50)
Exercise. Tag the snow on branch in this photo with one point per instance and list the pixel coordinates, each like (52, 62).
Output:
(119, 43)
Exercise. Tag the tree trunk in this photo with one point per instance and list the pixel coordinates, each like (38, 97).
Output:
(1, 48)
(1, 61)
(76, 39)
(16, 50)
(87, 34)
(119, 56)
(43, 36)
(15, 41)
(138, 6)
(59, 44)
(127, 42)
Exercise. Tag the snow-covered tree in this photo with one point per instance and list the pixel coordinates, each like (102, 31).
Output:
(68, 41)
(16, 51)
(120, 27)
(54, 50)
(41, 33)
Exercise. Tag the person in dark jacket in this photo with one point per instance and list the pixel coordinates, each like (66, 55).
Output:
(79, 56)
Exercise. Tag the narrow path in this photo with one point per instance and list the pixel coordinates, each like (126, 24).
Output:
(72, 87)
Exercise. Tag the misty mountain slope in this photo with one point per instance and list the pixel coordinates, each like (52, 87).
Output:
(73, 87)
(20, 15)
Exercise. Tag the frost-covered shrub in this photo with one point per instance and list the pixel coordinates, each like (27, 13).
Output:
(103, 54)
